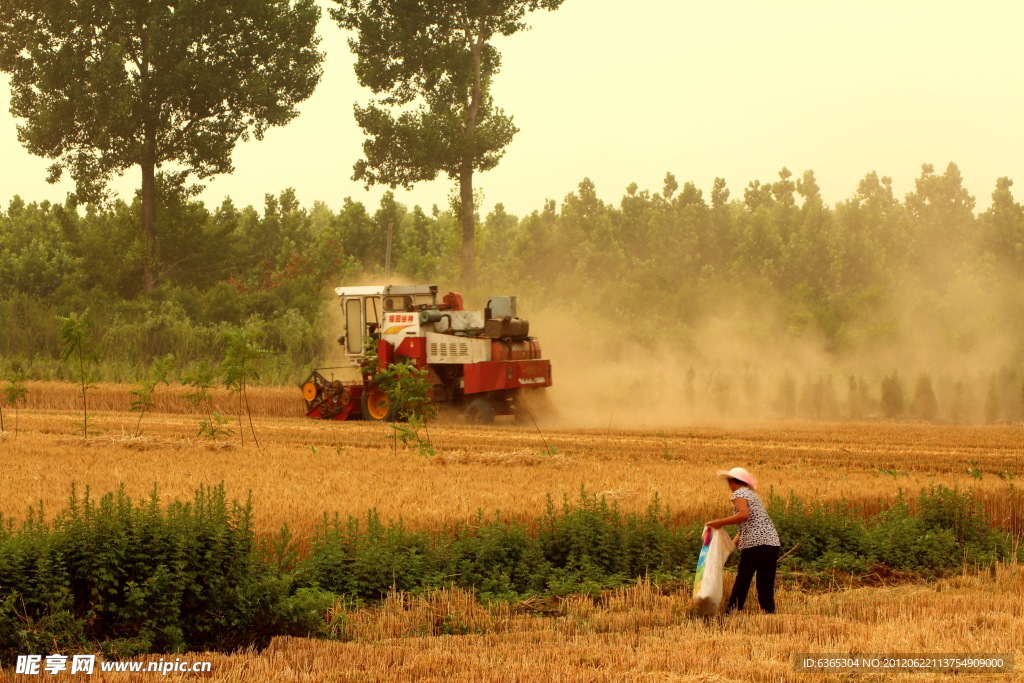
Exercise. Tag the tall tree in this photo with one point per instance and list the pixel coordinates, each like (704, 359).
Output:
(942, 219)
(1004, 226)
(431, 63)
(107, 85)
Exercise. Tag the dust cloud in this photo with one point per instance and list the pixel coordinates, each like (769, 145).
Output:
(333, 358)
(942, 354)
(952, 358)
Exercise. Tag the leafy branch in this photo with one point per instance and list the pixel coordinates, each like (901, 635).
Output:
(409, 393)
(74, 342)
(368, 366)
(15, 393)
(201, 378)
(143, 394)
(240, 367)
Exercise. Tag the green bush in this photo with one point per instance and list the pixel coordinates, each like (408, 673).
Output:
(586, 537)
(499, 560)
(950, 529)
(594, 539)
(903, 542)
(813, 531)
(946, 509)
(366, 561)
(576, 548)
(136, 577)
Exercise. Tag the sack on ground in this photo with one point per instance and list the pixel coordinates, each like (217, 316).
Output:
(707, 583)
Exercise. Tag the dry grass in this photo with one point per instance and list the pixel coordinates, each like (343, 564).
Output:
(264, 401)
(307, 468)
(639, 634)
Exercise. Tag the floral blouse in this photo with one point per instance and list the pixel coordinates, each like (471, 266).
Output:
(758, 529)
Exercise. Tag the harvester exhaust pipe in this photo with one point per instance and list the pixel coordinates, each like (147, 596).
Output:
(427, 317)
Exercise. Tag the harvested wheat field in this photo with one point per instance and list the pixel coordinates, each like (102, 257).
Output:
(302, 469)
(637, 634)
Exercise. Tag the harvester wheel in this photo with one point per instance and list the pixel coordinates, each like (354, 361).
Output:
(479, 411)
(376, 405)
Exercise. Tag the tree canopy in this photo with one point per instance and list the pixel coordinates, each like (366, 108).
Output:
(104, 86)
(431, 64)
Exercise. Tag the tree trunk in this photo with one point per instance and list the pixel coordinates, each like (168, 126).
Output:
(468, 219)
(149, 213)
(476, 46)
(148, 163)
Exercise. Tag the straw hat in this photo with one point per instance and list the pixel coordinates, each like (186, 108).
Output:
(741, 474)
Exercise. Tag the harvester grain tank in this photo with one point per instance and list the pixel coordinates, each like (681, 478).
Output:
(483, 363)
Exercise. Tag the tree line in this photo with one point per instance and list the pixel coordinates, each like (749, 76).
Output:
(658, 263)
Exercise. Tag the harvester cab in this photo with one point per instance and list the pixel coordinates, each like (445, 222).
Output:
(481, 362)
(364, 307)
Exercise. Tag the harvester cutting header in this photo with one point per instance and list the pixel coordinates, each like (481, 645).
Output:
(480, 362)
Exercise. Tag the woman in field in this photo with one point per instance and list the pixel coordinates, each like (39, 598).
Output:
(758, 541)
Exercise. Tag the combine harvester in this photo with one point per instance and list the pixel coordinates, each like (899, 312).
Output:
(480, 362)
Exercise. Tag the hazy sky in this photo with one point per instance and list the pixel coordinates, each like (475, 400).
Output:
(624, 92)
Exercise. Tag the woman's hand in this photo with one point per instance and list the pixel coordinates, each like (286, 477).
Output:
(742, 515)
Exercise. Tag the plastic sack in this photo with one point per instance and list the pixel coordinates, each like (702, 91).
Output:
(707, 583)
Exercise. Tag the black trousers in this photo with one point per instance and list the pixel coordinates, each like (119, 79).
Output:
(761, 560)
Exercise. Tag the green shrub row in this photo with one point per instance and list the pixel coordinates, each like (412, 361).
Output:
(574, 548)
(126, 577)
(949, 530)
